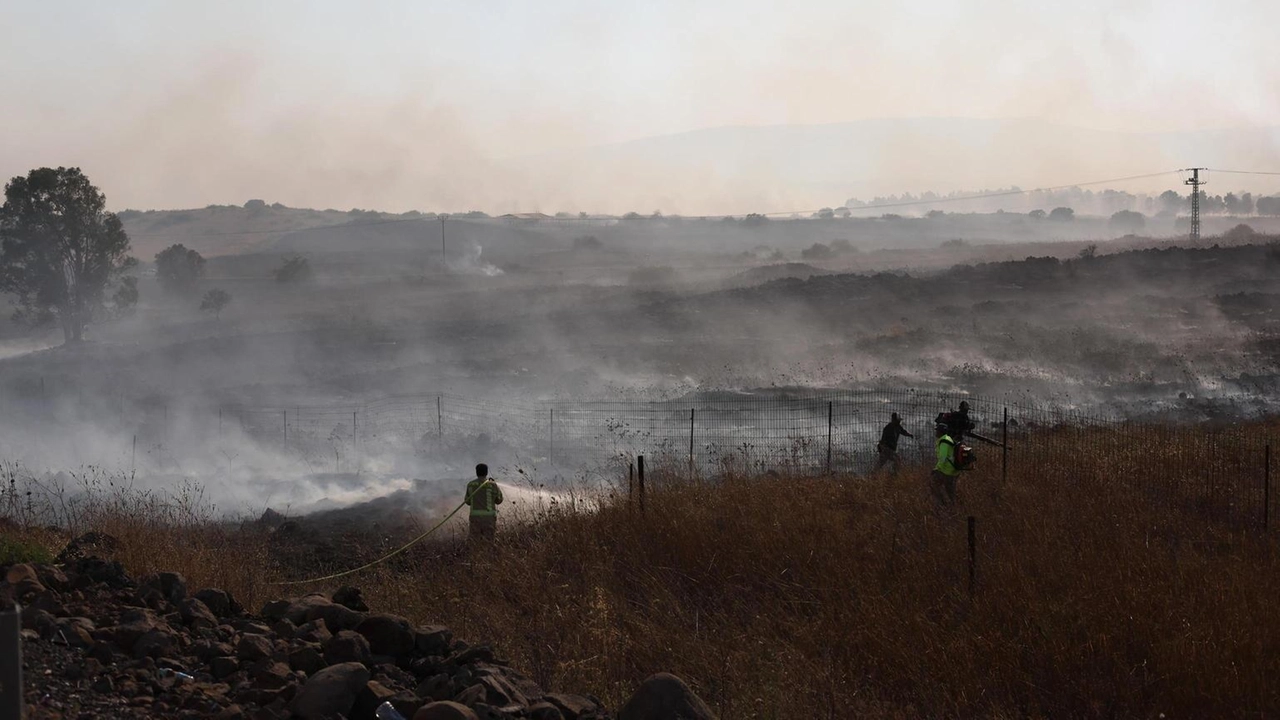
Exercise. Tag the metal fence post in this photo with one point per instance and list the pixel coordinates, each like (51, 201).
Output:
(1004, 448)
(830, 410)
(439, 412)
(640, 480)
(691, 411)
(12, 704)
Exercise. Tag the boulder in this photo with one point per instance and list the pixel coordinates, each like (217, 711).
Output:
(307, 659)
(271, 674)
(445, 710)
(154, 643)
(24, 579)
(336, 617)
(347, 646)
(196, 614)
(665, 697)
(388, 635)
(572, 706)
(254, 647)
(330, 692)
(221, 667)
(545, 711)
(219, 602)
(371, 696)
(351, 597)
(298, 610)
(315, 631)
(169, 585)
(433, 640)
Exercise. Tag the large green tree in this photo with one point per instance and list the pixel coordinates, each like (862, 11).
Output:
(60, 248)
(179, 269)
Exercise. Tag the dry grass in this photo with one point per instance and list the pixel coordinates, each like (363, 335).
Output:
(837, 597)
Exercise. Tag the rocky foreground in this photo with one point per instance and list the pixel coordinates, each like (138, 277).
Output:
(99, 644)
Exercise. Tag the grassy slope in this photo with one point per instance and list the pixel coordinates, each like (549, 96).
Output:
(833, 597)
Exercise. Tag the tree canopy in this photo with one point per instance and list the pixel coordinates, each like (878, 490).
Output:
(59, 248)
(178, 269)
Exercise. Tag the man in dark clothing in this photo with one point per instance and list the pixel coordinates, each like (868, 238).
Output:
(957, 422)
(888, 446)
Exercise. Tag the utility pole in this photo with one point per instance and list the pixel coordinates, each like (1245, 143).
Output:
(1195, 182)
(442, 250)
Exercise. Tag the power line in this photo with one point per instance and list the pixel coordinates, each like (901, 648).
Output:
(1242, 172)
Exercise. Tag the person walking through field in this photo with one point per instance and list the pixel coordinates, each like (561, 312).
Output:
(942, 480)
(484, 496)
(888, 445)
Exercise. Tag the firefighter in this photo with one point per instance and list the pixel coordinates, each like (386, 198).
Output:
(483, 498)
(957, 422)
(888, 445)
(942, 480)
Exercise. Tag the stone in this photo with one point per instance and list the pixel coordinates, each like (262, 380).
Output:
(388, 635)
(371, 696)
(347, 646)
(315, 631)
(134, 623)
(436, 687)
(254, 647)
(274, 610)
(351, 597)
(307, 659)
(330, 692)
(271, 674)
(433, 640)
(445, 710)
(545, 711)
(53, 578)
(221, 667)
(219, 602)
(284, 629)
(92, 570)
(299, 609)
(479, 653)
(664, 696)
(571, 706)
(336, 617)
(196, 614)
(154, 643)
(24, 579)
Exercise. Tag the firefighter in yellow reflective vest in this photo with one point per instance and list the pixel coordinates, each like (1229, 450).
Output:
(484, 499)
(942, 480)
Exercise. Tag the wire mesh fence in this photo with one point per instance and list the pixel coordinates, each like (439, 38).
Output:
(1222, 469)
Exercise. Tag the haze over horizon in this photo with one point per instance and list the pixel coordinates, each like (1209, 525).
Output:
(571, 106)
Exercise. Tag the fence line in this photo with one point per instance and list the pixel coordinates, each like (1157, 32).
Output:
(793, 431)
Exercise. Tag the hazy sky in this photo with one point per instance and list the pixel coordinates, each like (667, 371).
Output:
(397, 105)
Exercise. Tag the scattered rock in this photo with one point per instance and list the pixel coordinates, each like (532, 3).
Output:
(196, 614)
(665, 697)
(330, 692)
(219, 602)
(433, 640)
(388, 634)
(254, 647)
(445, 710)
(371, 696)
(351, 597)
(347, 646)
(306, 659)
